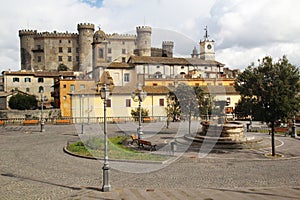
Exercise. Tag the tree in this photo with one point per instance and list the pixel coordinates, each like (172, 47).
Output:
(22, 102)
(136, 112)
(272, 91)
(62, 67)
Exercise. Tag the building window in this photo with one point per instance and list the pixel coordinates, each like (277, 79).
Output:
(123, 42)
(123, 59)
(109, 59)
(82, 87)
(109, 50)
(157, 66)
(123, 51)
(126, 77)
(108, 103)
(39, 58)
(70, 58)
(101, 55)
(77, 50)
(15, 79)
(64, 86)
(72, 87)
(77, 58)
(60, 58)
(59, 41)
(39, 47)
(182, 67)
(27, 89)
(128, 102)
(227, 101)
(60, 49)
(69, 50)
(40, 80)
(27, 80)
(41, 88)
(154, 84)
(69, 41)
(161, 102)
(64, 97)
(197, 84)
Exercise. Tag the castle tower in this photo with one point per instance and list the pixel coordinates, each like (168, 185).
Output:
(26, 46)
(167, 47)
(195, 53)
(143, 40)
(85, 40)
(207, 47)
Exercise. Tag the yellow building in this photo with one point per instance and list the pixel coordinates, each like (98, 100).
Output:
(89, 105)
(62, 90)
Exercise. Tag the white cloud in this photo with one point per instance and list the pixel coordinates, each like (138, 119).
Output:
(244, 31)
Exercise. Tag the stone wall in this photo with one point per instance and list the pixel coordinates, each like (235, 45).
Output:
(48, 113)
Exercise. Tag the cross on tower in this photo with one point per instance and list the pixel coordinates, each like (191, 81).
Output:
(206, 34)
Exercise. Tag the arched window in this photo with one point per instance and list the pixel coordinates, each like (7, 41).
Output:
(41, 88)
(158, 75)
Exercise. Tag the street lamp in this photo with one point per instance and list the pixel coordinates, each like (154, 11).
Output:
(82, 113)
(139, 96)
(42, 112)
(104, 93)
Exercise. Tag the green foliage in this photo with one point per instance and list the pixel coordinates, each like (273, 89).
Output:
(62, 67)
(136, 112)
(269, 91)
(22, 102)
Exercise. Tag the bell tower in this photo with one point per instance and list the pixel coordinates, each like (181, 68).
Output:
(207, 47)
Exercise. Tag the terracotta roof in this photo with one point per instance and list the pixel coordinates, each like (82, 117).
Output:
(149, 89)
(198, 61)
(158, 60)
(40, 73)
(220, 89)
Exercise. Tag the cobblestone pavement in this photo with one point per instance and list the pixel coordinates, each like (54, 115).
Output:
(34, 166)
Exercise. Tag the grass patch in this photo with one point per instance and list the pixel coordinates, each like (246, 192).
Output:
(117, 149)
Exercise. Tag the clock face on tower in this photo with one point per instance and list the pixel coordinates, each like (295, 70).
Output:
(208, 46)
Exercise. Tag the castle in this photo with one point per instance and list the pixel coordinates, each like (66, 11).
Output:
(93, 52)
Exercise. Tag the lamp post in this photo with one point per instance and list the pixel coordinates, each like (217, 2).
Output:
(42, 112)
(139, 96)
(294, 133)
(104, 93)
(82, 113)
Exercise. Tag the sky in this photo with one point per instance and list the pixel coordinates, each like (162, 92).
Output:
(244, 31)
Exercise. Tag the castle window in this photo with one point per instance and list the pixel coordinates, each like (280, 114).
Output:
(60, 49)
(82, 86)
(15, 79)
(27, 89)
(77, 58)
(39, 59)
(182, 67)
(59, 41)
(41, 88)
(123, 59)
(126, 77)
(101, 55)
(39, 47)
(109, 50)
(70, 58)
(40, 80)
(157, 66)
(145, 41)
(128, 102)
(123, 51)
(27, 80)
(60, 58)
(77, 50)
(69, 41)
(123, 42)
(109, 59)
(64, 86)
(72, 87)
(69, 50)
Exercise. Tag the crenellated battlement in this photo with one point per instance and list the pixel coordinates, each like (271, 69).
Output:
(143, 29)
(27, 32)
(117, 36)
(56, 34)
(168, 43)
(86, 26)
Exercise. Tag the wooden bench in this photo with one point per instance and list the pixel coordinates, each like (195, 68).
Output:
(2, 123)
(147, 143)
(284, 130)
(148, 120)
(62, 121)
(29, 122)
(134, 139)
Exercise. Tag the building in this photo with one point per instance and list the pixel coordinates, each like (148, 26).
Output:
(33, 83)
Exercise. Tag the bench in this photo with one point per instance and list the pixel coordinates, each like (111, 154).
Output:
(284, 130)
(148, 119)
(134, 139)
(147, 143)
(2, 123)
(30, 122)
(62, 121)
(118, 120)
